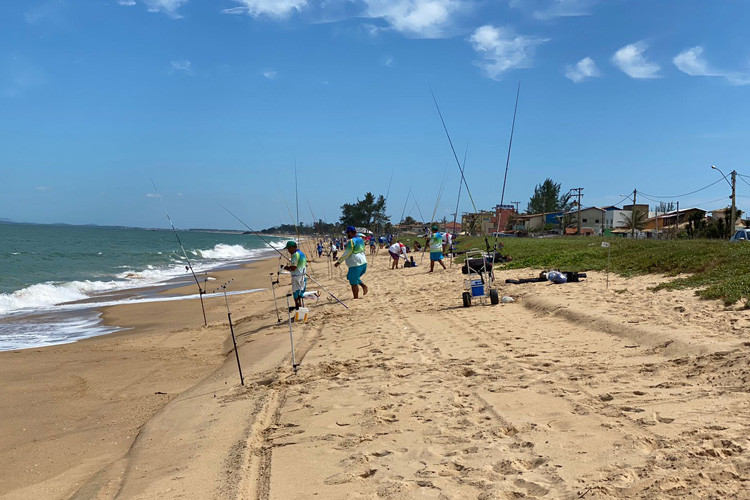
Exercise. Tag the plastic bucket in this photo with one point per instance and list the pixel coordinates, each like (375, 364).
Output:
(300, 315)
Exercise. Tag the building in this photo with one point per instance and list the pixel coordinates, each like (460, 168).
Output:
(592, 220)
(477, 222)
(614, 218)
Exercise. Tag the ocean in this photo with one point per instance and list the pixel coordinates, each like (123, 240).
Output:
(46, 270)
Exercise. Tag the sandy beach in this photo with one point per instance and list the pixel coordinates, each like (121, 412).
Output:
(572, 391)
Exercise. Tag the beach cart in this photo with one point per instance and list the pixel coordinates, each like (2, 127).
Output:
(479, 279)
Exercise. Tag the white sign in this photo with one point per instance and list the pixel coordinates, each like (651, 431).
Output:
(605, 244)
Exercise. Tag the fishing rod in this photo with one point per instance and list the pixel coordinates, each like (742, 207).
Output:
(458, 199)
(434, 212)
(231, 328)
(256, 233)
(458, 163)
(507, 164)
(189, 266)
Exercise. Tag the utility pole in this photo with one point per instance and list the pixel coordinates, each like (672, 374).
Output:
(677, 220)
(579, 192)
(734, 203)
(632, 216)
(516, 203)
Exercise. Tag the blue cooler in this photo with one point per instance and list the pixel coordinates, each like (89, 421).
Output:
(477, 288)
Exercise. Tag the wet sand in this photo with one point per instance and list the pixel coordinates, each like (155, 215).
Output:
(571, 391)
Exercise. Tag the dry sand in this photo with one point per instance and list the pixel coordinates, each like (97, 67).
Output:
(572, 391)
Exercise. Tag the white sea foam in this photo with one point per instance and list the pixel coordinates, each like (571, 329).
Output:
(46, 296)
(223, 251)
(51, 330)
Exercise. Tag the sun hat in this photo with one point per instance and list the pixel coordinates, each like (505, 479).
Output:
(290, 244)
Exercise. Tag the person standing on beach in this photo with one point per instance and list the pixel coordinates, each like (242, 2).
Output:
(298, 268)
(356, 260)
(436, 248)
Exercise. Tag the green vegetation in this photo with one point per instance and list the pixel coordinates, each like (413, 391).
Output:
(718, 269)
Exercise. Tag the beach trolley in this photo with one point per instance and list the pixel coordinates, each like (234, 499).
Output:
(480, 277)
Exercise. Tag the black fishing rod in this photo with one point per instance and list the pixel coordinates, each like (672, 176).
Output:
(507, 164)
(458, 163)
(231, 328)
(189, 266)
(256, 233)
(458, 200)
(510, 143)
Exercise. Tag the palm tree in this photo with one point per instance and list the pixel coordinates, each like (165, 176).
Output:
(635, 220)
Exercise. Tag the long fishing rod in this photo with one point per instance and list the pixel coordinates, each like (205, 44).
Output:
(458, 163)
(231, 328)
(507, 164)
(189, 266)
(450, 141)
(256, 233)
(510, 143)
(458, 199)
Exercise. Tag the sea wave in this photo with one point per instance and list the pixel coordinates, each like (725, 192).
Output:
(45, 296)
(222, 251)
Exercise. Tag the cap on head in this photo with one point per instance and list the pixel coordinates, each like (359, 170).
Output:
(434, 228)
(291, 244)
(351, 229)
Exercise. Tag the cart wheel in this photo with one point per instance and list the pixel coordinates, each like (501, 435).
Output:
(494, 297)
(467, 299)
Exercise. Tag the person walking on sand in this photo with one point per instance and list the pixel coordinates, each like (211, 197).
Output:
(396, 250)
(356, 260)
(436, 248)
(298, 268)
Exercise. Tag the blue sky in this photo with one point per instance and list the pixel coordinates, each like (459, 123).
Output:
(217, 100)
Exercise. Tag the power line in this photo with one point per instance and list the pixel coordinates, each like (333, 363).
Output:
(681, 195)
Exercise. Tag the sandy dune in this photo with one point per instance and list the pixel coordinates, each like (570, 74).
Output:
(572, 391)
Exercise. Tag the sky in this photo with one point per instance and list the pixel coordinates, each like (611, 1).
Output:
(217, 101)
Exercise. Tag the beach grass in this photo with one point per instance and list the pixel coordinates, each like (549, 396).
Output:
(716, 269)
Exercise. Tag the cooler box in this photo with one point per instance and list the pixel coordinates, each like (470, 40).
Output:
(477, 288)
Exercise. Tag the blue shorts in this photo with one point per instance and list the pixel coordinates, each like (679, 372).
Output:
(435, 256)
(354, 275)
(299, 286)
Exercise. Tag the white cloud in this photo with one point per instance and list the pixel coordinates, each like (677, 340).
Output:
(182, 65)
(279, 9)
(388, 62)
(631, 61)
(43, 188)
(153, 195)
(692, 62)
(126, 3)
(270, 74)
(565, 8)
(502, 50)
(168, 7)
(585, 68)
(417, 18)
